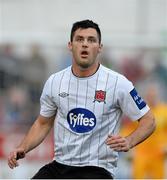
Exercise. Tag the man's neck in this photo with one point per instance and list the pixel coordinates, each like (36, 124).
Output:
(85, 72)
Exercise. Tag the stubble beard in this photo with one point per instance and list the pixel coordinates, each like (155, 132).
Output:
(86, 63)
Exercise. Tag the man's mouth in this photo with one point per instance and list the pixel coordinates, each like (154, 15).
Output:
(84, 54)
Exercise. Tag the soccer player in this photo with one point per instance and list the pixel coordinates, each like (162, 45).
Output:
(84, 103)
(152, 163)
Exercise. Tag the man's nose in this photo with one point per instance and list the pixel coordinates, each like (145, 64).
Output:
(85, 43)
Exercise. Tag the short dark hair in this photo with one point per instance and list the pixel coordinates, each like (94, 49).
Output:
(84, 25)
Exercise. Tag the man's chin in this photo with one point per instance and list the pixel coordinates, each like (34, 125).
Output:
(84, 65)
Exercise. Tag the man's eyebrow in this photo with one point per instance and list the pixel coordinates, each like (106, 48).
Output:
(79, 36)
(92, 37)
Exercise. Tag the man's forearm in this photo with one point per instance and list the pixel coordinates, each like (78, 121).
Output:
(36, 134)
(145, 128)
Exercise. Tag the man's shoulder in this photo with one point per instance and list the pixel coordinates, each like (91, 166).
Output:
(60, 73)
(119, 78)
(110, 71)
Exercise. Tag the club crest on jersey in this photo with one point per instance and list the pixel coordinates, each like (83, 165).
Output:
(100, 96)
(81, 120)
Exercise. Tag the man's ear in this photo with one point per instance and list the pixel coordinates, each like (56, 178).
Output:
(100, 48)
(69, 46)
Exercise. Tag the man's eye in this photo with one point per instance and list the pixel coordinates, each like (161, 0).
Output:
(79, 39)
(92, 40)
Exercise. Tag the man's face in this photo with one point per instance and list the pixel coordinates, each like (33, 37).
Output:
(85, 47)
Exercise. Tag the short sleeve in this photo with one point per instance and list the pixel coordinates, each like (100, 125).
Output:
(130, 102)
(47, 106)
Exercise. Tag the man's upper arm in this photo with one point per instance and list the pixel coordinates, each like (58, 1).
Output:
(148, 121)
(48, 121)
(148, 117)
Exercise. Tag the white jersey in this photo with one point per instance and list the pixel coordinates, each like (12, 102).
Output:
(88, 110)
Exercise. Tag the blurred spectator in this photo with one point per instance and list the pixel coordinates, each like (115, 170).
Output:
(2, 111)
(132, 67)
(149, 156)
(161, 71)
(1, 142)
(66, 61)
(35, 74)
(10, 66)
(17, 106)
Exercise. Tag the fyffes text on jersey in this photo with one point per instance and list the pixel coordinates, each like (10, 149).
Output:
(81, 120)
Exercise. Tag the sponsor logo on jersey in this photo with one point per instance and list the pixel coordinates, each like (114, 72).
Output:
(63, 94)
(138, 100)
(100, 96)
(81, 120)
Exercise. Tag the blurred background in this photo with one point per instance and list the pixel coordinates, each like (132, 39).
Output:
(33, 44)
